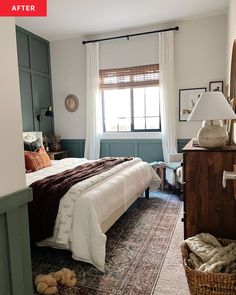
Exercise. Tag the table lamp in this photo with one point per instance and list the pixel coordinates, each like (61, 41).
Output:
(212, 106)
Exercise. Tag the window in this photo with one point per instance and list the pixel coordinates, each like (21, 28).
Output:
(130, 98)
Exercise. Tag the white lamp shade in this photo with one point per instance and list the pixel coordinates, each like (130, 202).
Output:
(212, 106)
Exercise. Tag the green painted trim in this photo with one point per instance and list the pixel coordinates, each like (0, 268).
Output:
(36, 72)
(147, 149)
(15, 199)
(158, 140)
(182, 143)
(24, 69)
(32, 34)
(74, 147)
(15, 270)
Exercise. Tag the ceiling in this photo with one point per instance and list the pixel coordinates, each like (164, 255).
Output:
(67, 18)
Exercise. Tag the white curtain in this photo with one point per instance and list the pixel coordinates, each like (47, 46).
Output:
(167, 93)
(93, 103)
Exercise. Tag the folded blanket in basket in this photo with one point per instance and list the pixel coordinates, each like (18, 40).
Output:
(209, 255)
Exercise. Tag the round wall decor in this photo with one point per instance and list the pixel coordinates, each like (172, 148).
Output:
(71, 103)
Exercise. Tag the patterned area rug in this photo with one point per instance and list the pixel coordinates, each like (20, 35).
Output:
(136, 248)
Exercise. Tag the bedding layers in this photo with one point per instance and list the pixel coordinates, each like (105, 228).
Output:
(48, 191)
(89, 203)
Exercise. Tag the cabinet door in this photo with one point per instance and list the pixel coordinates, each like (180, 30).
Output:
(40, 55)
(22, 40)
(208, 206)
(42, 100)
(26, 101)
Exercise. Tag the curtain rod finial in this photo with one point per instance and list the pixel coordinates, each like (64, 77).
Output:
(176, 28)
(84, 42)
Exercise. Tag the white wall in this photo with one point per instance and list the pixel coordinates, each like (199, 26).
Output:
(68, 77)
(141, 50)
(200, 47)
(12, 173)
(231, 34)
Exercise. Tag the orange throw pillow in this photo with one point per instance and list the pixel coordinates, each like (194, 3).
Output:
(44, 157)
(36, 160)
(33, 161)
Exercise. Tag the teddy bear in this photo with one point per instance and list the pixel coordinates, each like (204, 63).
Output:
(46, 284)
(65, 277)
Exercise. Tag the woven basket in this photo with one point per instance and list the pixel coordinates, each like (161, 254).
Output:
(201, 283)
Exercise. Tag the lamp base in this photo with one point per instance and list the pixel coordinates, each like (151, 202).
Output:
(212, 136)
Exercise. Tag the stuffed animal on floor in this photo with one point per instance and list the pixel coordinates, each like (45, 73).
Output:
(46, 284)
(65, 277)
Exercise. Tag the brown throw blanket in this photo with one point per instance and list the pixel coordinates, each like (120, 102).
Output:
(48, 192)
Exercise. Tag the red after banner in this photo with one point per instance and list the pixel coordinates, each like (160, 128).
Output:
(23, 7)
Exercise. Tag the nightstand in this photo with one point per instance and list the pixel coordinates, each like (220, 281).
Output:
(57, 155)
(160, 168)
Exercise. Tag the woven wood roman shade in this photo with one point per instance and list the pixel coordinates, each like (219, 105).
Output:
(139, 76)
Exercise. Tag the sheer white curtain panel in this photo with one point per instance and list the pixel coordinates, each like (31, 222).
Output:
(167, 93)
(93, 103)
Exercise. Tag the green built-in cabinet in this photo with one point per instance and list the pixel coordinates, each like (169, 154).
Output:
(35, 80)
(15, 261)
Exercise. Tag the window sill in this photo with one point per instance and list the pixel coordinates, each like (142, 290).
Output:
(131, 135)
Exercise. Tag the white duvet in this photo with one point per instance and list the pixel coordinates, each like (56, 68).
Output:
(90, 202)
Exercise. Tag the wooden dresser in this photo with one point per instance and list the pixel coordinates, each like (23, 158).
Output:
(208, 207)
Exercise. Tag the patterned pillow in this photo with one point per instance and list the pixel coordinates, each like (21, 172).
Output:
(33, 161)
(33, 145)
(44, 157)
(36, 160)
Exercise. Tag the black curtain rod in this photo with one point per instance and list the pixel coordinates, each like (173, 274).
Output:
(132, 35)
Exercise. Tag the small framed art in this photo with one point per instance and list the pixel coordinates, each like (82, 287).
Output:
(216, 86)
(187, 100)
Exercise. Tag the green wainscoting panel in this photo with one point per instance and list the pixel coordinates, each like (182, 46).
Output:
(74, 147)
(150, 150)
(147, 149)
(121, 148)
(181, 143)
(35, 80)
(26, 101)
(5, 285)
(22, 39)
(42, 99)
(15, 262)
(40, 55)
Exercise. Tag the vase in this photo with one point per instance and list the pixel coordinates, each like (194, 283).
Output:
(54, 147)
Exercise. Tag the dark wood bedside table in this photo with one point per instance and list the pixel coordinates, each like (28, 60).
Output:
(57, 155)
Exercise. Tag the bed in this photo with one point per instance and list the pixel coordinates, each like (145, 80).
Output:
(92, 206)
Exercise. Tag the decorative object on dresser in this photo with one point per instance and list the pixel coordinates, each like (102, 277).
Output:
(187, 100)
(54, 142)
(57, 155)
(71, 103)
(212, 106)
(208, 206)
(216, 86)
